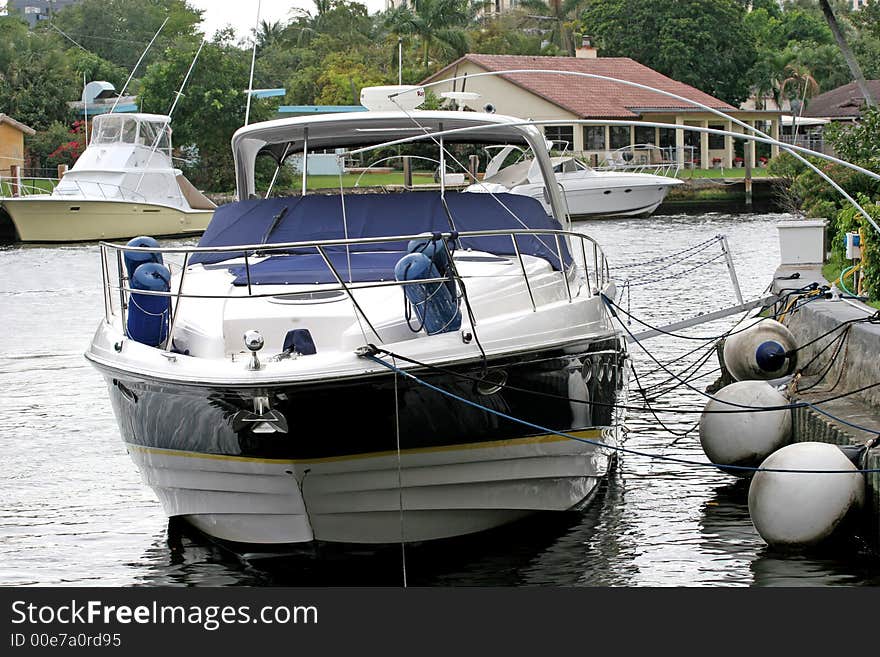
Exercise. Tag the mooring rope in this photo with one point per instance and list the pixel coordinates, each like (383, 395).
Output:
(598, 443)
(399, 479)
(744, 406)
(628, 407)
(678, 274)
(726, 334)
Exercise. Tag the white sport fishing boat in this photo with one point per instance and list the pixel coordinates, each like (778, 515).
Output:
(124, 184)
(366, 367)
(587, 192)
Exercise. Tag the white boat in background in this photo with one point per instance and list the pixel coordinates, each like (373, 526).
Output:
(124, 184)
(587, 192)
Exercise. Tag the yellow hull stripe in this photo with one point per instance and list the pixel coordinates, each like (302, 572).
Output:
(590, 434)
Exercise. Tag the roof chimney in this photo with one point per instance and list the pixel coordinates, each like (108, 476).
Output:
(586, 49)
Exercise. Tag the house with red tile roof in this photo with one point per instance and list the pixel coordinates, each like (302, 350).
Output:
(845, 103)
(546, 95)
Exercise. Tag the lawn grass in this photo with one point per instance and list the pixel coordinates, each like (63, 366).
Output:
(30, 184)
(396, 178)
(367, 180)
(735, 172)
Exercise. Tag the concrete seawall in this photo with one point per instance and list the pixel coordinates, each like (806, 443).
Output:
(850, 364)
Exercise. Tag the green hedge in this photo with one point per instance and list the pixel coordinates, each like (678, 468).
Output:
(848, 220)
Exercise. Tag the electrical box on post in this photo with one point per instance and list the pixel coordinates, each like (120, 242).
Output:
(853, 246)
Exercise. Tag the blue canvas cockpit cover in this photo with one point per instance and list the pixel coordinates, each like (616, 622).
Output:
(320, 217)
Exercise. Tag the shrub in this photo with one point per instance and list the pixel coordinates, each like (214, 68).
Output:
(848, 220)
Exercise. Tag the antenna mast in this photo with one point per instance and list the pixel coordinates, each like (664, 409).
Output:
(121, 93)
(85, 112)
(179, 92)
(177, 96)
(247, 111)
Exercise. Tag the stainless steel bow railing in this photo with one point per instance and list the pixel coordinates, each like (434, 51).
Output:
(85, 189)
(592, 267)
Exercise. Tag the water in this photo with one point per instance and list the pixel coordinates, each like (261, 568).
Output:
(74, 510)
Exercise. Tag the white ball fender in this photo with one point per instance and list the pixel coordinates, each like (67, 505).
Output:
(760, 352)
(800, 509)
(748, 437)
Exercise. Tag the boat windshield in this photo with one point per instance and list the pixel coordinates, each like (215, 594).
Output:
(566, 165)
(155, 133)
(112, 129)
(121, 129)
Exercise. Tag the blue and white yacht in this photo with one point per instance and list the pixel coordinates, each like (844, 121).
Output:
(366, 367)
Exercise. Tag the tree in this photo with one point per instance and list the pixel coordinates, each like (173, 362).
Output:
(799, 86)
(803, 25)
(800, 83)
(562, 14)
(503, 35)
(868, 19)
(858, 142)
(342, 78)
(268, 34)
(119, 30)
(824, 62)
(211, 108)
(55, 139)
(438, 24)
(703, 43)
(36, 78)
(770, 6)
(767, 76)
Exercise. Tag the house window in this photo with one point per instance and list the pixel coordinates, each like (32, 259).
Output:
(619, 136)
(562, 136)
(644, 135)
(716, 142)
(594, 138)
(667, 137)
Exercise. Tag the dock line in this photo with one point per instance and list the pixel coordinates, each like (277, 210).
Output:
(597, 443)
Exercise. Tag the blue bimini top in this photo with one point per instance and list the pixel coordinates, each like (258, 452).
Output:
(320, 217)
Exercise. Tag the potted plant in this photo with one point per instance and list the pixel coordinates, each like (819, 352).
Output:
(737, 161)
(716, 162)
(762, 161)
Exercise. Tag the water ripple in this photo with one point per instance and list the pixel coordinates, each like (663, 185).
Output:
(76, 513)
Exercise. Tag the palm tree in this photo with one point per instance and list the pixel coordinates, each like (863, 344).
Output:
(437, 24)
(801, 80)
(268, 34)
(562, 14)
(769, 73)
(804, 85)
